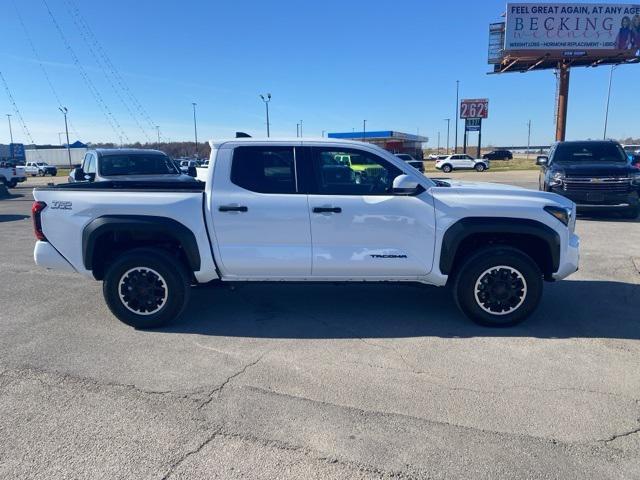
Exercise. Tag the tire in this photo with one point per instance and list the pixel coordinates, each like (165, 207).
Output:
(480, 167)
(517, 291)
(447, 168)
(142, 269)
(11, 183)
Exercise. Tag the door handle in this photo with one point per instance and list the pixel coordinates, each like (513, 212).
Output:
(232, 208)
(327, 210)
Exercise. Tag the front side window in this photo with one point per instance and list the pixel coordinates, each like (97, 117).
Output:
(264, 169)
(352, 172)
(136, 164)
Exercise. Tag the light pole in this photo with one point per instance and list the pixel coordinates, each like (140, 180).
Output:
(195, 127)
(364, 130)
(64, 111)
(528, 138)
(10, 131)
(158, 132)
(300, 128)
(606, 114)
(457, 106)
(266, 104)
(448, 120)
(438, 143)
(297, 130)
(323, 133)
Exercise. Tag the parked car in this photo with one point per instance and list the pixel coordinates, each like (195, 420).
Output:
(279, 210)
(130, 164)
(462, 161)
(417, 164)
(11, 174)
(596, 175)
(498, 155)
(41, 169)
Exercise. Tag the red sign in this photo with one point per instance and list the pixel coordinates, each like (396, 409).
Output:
(474, 108)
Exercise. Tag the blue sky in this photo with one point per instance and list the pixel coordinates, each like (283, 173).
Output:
(330, 64)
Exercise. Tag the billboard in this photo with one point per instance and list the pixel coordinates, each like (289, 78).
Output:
(573, 30)
(474, 108)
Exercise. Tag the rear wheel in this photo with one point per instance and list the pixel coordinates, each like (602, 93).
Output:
(146, 288)
(498, 286)
(479, 167)
(447, 168)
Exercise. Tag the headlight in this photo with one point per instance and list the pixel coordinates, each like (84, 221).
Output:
(561, 213)
(557, 179)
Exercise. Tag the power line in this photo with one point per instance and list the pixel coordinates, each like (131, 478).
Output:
(42, 67)
(100, 59)
(25, 129)
(114, 71)
(111, 119)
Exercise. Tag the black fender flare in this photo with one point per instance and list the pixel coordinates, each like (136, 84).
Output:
(147, 223)
(465, 227)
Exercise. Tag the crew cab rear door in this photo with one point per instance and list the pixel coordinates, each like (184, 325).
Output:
(360, 228)
(260, 218)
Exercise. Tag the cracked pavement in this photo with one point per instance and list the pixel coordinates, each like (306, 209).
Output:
(321, 381)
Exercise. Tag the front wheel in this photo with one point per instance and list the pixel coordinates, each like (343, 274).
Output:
(498, 286)
(447, 168)
(11, 183)
(146, 288)
(480, 167)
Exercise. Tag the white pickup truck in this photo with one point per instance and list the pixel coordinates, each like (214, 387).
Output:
(11, 175)
(293, 210)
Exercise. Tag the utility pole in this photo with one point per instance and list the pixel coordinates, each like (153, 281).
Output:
(564, 74)
(297, 130)
(528, 137)
(158, 132)
(10, 131)
(323, 133)
(448, 120)
(606, 114)
(364, 130)
(64, 111)
(438, 143)
(457, 111)
(266, 104)
(195, 127)
(300, 128)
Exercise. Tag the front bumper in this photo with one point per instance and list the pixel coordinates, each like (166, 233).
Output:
(570, 260)
(598, 200)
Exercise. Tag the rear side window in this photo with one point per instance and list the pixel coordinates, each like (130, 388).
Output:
(264, 169)
(136, 164)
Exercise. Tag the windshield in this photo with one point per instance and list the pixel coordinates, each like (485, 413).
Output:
(136, 164)
(589, 152)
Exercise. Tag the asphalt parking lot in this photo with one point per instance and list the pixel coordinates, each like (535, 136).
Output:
(321, 381)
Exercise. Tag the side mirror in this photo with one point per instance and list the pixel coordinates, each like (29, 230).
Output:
(405, 185)
(89, 177)
(542, 160)
(191, 171)
(78, 175)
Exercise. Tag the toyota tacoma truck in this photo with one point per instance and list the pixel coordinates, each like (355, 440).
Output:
(295, 211)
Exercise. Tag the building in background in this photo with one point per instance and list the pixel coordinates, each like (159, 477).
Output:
(394, 142)
(56, 154)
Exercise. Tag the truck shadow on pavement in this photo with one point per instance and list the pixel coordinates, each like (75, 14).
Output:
(587, 309)
(12, 218)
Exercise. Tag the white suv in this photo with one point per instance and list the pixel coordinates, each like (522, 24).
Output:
(462, 161)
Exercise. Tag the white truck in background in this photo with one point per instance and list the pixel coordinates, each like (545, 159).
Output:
(293, 210)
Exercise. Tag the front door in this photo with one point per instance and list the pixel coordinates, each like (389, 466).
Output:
(360, 229)
(261, 222)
